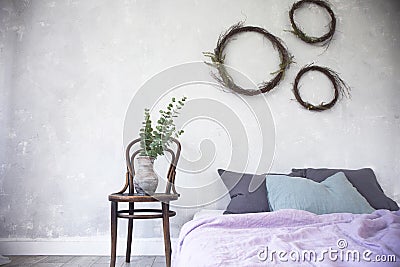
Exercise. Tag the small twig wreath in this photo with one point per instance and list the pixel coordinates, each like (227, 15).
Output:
(218, 58)
(324, 39)
(340, 87)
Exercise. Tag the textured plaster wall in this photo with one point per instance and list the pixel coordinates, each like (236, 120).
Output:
(68, 70)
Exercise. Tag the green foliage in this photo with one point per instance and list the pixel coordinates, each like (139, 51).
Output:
(153, 142)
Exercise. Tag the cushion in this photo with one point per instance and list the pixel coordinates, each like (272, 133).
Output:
(245, 198)
(333, 195)
(364, 180)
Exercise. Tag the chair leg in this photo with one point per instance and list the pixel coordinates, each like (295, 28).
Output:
(114, 208)
(129, 239)
(167, 239)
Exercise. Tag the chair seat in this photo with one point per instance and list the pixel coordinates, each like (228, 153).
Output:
(148, 214)
(157, 197)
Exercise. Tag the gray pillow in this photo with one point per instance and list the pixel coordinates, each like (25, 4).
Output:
(243, 199)
(364, 180)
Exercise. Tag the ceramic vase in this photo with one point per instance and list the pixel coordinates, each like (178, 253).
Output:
(145, 180)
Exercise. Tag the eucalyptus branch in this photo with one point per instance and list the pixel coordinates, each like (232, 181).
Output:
(154, 141)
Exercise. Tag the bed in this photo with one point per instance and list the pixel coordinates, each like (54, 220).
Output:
(256, 239)
(286, 237)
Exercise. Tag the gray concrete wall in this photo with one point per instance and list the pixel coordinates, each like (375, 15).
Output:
(69, 69)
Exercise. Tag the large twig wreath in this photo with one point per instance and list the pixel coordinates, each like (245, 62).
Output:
(340, 87)
(324, 39)
(218, 58)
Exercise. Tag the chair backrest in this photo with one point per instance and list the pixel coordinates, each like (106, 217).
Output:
(130, 155)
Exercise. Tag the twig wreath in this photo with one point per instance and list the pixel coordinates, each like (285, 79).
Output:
(324, 39)
(340, 87)
(218, 58)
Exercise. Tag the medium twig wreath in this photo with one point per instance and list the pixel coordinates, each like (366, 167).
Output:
(324, 39)
(218, 58)
(340, 87)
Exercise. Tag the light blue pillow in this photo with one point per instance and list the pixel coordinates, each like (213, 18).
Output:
(333, 195)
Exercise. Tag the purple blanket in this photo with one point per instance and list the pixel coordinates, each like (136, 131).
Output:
(291, 237)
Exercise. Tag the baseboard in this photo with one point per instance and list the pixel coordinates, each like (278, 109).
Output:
(80, 246)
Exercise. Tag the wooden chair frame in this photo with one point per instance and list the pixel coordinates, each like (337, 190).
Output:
(131, 197)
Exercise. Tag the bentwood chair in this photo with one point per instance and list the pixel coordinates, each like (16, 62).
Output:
(131, 197)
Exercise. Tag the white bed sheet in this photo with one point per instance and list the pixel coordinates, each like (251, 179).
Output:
(205, 213)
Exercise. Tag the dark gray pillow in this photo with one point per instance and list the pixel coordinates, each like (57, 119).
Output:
(243, 198)
(364, 180)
